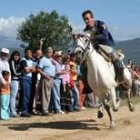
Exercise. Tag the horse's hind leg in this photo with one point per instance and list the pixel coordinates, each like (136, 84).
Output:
(108, 110)
(115, 101)
(130, 104)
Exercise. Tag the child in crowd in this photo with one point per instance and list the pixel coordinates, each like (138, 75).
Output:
(66, 77)
(5, 97)
(67, 85)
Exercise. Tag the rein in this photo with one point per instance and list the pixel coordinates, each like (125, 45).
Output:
(86, 50)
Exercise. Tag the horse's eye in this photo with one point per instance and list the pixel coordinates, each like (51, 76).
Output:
(86, 40)
(80, 52)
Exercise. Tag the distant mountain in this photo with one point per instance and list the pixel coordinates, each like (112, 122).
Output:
(9, 42)
(131, 49)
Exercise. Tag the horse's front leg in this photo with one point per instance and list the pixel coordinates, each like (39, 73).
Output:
(101, 105)
(110, 114)
(100, 110)
(130, 104)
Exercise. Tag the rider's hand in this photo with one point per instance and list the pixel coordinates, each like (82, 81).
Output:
(75, 36)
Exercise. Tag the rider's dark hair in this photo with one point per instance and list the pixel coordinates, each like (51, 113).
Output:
(87, 12)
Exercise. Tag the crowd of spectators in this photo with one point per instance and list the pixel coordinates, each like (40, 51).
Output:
(135, 71)
(41, 83)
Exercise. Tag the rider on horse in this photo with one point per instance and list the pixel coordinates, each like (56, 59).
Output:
(102, 40)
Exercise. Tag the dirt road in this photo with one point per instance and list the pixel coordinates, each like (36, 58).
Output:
(82, 125)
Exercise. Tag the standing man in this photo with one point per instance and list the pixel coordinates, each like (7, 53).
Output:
(35, 83)
(26, 82)
(56, 106)
(4, 65)
(47, 71)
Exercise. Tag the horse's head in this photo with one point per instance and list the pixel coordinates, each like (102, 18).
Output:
(82, 44)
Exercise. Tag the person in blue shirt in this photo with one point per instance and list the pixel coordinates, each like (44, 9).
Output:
(47, 71)
(98, 28)
(102, 39)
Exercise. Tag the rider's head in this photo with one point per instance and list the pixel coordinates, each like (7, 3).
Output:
(88, 18)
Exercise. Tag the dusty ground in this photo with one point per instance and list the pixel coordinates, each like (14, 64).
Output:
(82, 125)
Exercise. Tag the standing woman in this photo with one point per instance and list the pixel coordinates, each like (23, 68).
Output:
(15, 74)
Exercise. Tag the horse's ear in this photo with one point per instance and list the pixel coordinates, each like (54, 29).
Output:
(85, 34)
(70, 29)
(75, 36)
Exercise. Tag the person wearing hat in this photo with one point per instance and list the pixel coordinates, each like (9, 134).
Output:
(4, 65)
(3, 59)
(57, 61)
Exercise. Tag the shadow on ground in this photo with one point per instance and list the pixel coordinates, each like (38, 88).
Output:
(66, 125)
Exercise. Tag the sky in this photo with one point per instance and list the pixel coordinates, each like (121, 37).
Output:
(122, 17)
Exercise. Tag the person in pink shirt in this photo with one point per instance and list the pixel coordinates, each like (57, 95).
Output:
(66, 77)
(67, 85)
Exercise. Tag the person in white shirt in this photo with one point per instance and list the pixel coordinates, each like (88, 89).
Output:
(4, 65)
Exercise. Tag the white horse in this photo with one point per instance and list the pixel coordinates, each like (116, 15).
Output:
(101, 75)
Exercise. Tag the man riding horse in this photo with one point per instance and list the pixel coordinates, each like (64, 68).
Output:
(101, 76)
(102, 39)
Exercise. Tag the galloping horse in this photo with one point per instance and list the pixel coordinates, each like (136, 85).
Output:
(101, 75)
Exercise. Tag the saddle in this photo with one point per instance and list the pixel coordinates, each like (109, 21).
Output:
(106, 56)
(119, 73)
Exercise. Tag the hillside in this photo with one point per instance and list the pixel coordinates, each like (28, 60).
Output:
(131, 49)
(11, 43)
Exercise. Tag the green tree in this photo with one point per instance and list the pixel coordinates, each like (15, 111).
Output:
(51, 26)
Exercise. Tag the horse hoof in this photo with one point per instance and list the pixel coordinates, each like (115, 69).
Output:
(115, 110)
(131, 106)
(100, 114)
(112, 128)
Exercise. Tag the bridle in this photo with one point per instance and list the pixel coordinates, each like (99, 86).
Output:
(86, 51)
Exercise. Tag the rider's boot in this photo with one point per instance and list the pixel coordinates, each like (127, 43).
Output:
(119, 67)
(118, 64)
